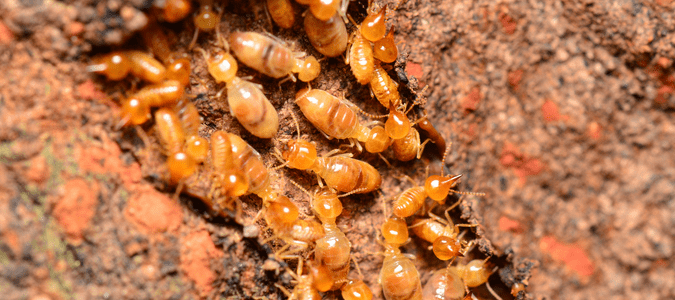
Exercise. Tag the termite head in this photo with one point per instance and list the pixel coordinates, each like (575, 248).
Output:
(300, 155)
(438, 187)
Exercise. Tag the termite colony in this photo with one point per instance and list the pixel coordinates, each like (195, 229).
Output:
(219, 167)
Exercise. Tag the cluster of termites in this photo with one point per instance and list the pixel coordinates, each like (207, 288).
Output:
(229, 167)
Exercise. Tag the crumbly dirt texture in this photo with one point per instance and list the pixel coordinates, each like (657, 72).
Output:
(561, 112)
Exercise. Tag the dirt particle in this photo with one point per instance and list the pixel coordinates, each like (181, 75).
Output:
(573, 256)
(11, 239)
(38, 170)
(75, 29)
(471, 101)
(153, 212)
(508, 224)
(195, 259)
(514, 77)
(134, 19)
(663, 94)
(522, 165)
(508, 23)
(414, 69)
(76, 208)
(594, 131)
(6, 35)
(88, 91)
(551, 112)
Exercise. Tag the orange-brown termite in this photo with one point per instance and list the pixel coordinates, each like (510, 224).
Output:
(342, 173)
(443, 234)
(435, 187)
(356, 289)
(334, 249)
(117, 65)
(328, 37)
(336, 119)
(232, 180)
(195, 146)
(176, 10)
(307, 287)
(282, 12)
(374, 27)
(399, 277)
(385, 49)
(444, 284)
(136, 109)
(360, 59)
(172, 137)
(247, 102)
(158, 43)
(262, 53)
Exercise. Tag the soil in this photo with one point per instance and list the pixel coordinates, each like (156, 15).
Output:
(557, 110)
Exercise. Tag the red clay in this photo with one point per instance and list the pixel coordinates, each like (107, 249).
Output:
(153, 212)
(38, 170)
(573, 256)
(514, 77)
(195, 259)
(551, 112)
(507, 224)
(88, 91)
(414, 69)
(508, 23)
(76, 208)
(522, 165)
(594, 131)
(471, 101)
(6, 36)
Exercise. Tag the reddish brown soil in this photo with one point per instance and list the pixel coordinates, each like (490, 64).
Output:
(560, 112)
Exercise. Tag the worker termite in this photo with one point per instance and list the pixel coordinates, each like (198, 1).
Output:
(307, 287)
(136, 109)
(117, 65)
(176, 10)
(337, 120)
(384, 88)
(282, 216)
(399, 277)
(474, 273)
(158, 43)
(233, 181)
(172, 137)
(282, 12)
(435, 187)
(247, 102)
(385, 48)
(328, 37)
(262, 53)
(334, 249)
(342, 173)
(443, 234)
(360, 59)
(444, 284)
(146, 67)
(409, 147)
(356, 290)
(308, 69)
(206, 20)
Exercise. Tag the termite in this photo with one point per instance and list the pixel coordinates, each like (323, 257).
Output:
(342, 173)
(337, 120)
(328, 37)
(247, 102)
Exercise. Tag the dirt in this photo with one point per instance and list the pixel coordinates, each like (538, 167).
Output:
(560, 112)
